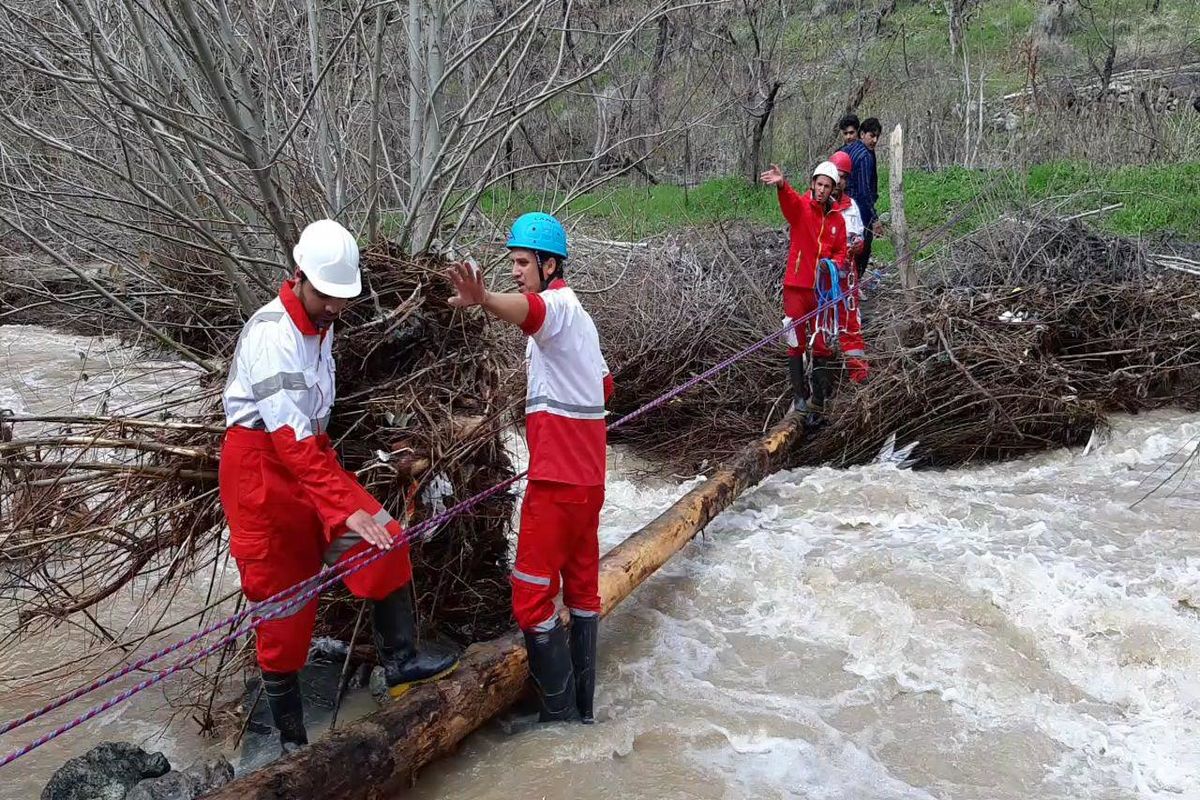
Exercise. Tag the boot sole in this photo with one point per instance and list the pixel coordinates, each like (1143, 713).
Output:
(401, 689)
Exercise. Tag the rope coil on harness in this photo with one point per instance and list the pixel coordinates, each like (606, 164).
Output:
(282, 601)
(829, 297)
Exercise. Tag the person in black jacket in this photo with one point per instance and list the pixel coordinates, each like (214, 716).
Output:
(863, 184)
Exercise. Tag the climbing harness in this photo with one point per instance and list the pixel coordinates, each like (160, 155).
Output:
(830, 297)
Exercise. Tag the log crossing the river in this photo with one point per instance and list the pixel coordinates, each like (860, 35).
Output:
(378, 756)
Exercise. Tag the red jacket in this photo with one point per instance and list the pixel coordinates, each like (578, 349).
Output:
(815, 232)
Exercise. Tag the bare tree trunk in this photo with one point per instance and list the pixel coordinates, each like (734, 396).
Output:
(416, 98)
(176, 183)
(249, 134)
(899, 223)
(373, 181)
(760, 127)
(954, 16)
(431, 147)
(316, 49)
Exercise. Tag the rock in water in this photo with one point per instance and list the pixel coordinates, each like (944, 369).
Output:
(106, 772)
(196, 780)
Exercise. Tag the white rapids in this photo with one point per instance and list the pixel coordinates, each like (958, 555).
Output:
(1009, 631)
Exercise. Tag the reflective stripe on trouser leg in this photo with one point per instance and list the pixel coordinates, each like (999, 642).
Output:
(851, 338)
(533, 600)
(535, 575)
(798, 303)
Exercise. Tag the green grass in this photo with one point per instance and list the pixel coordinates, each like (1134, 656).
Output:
(638, 212)
(1156, 199)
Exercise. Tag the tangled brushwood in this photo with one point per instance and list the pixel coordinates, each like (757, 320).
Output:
(1035, 331)
(92, 505)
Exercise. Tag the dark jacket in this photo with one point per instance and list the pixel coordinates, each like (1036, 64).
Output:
(863, 183)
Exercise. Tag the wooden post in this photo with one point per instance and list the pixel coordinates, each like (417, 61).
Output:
(379, 756)
(899, 224)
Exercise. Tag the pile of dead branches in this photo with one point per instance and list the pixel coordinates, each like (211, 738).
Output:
(1038, 329)
(91, 504)
(670, 310)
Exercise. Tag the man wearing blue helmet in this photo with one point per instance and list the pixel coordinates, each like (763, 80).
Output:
(567, 388)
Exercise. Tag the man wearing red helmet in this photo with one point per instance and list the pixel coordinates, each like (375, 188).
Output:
(816, 229)
(850, 336)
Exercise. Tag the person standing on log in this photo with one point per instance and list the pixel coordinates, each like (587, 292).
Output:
(816, 228)
(568, 386)
(850, 337)
(291, 505)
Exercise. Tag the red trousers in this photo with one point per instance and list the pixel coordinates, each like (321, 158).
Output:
(278, 540)
(558, 537)
(798, 303)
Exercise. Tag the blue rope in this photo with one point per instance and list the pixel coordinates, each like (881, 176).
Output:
(829, 297)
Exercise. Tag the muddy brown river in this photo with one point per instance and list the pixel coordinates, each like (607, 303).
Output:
(1008, 631)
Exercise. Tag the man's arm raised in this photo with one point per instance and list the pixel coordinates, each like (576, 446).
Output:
(469, 290)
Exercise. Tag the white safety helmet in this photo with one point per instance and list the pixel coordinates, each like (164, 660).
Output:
(828, 169)
(328, 256)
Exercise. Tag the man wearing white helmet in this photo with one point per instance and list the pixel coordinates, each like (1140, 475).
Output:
(291, 505)
(817, 230)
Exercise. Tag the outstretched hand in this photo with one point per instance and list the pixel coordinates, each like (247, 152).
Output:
(773, 176)
(467, 280)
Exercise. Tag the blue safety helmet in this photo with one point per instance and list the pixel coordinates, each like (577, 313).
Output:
(539, 232)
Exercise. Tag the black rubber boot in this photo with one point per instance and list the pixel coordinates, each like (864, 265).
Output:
(404, 666)
(822, 389)
(583, 658)
(552, 672)
(800, 391)
(287, 708)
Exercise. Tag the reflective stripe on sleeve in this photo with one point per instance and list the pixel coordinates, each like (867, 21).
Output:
(278, 383)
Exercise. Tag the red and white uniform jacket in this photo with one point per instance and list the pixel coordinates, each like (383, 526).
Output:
(815, 233)
(281, 382)
(848, 208)
(567, 387)
(850, 213)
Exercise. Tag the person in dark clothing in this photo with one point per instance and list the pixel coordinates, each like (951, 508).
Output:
(869, 132)
(848, 128)
(862, 185)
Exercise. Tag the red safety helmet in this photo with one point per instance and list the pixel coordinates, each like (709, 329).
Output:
(841, 160)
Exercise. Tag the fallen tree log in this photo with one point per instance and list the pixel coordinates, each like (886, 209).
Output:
(379, 755)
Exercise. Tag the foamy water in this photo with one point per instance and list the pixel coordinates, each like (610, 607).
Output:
(1009, 631)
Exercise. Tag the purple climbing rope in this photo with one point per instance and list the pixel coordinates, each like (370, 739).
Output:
(370, 555)
(296, 595)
